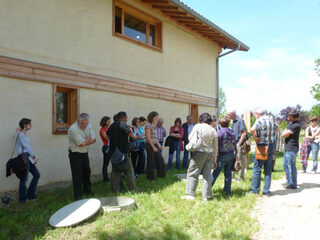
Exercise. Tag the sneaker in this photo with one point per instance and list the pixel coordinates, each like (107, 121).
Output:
(188, 197)
(207, 199)
(267, 194)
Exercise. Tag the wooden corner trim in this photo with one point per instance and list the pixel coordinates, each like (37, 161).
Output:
(26, 70)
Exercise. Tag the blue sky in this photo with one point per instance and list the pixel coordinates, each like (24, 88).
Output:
(284, 40)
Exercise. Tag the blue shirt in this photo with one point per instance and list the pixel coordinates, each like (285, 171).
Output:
(141, 132)
(22, 144)
(237, 127)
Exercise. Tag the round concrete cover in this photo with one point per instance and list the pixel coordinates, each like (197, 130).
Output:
(75, 213)
(117, 203)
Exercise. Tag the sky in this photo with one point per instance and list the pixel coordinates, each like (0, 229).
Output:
(284, 40)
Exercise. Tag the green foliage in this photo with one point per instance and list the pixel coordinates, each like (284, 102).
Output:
(222, 102)
(315, 91)
(283, 125)
(315, 110)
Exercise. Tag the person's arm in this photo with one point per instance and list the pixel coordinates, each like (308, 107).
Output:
(149, 140)
(172, 134)
(308, 134)
(243, 132)
(287, 133)
(105, 136)
(181, 132)
(253, 132)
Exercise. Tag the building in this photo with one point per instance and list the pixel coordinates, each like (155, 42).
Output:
(60, 58)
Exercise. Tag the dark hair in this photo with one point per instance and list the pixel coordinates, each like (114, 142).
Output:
(135, 121)
(151, 116)
(214, 118)
(294, 114)
(313, 119)
(121, 115)
(24, 121)
(142, 119)
(205, 118)
(104, 121)
(224, 121)
(115, 117)
(177, 120)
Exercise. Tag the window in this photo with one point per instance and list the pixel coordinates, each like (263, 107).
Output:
(65, 108)
(137, 26)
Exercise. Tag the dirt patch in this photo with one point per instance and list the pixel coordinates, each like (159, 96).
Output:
(290, 214)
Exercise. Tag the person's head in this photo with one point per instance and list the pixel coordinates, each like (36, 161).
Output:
(142, 121)
(105, 121)
(259, 112)
(189, 119)
(122, 116)
(115, 117)
(160, 122)
(25, 124)
(293, 116)
(232, 114)
(214, 121)
(135, 121)
(205, 118)
(153, 117)
(224, 121)
(314, 121)
(83, 120)
(177, 122)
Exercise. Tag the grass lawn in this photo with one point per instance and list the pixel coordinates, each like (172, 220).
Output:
(161, 214)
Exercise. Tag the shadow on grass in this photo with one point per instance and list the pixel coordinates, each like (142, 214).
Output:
(168, 232)
(231, 235)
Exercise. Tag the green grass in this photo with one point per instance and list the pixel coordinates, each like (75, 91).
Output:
(161, 214)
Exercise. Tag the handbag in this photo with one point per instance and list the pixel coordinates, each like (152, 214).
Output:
(246, 146)
(168, 141)
(119, 160)
(261, 152)
(194, 143)
(236, 165)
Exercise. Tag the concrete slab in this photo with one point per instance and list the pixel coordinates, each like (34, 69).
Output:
(75, 212)
(110, 204)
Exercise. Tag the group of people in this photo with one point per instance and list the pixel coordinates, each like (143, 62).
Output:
(213, 147)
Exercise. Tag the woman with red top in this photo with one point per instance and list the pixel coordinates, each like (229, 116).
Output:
(105, 123)
(176, 132)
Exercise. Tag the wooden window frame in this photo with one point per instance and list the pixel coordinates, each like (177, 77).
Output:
(73, 108)
(142, 16)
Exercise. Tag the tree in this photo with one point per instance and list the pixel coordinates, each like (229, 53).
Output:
(303, 115)
(222, 102)
(315, 92)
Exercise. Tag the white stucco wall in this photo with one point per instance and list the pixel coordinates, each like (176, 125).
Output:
(78, 35)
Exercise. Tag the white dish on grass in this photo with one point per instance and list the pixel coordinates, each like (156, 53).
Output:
(75, 212)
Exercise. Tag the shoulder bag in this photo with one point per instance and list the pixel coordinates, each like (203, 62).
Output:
(261, 151)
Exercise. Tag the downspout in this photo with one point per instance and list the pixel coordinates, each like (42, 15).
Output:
(217, 73)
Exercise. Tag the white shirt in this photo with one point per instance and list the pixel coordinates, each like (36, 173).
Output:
(77, 136)
(208, 136)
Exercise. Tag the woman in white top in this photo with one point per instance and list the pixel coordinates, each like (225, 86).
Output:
(203, 158)
(23, 148)
(313, 135)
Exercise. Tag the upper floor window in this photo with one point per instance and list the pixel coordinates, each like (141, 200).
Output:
(137, 26)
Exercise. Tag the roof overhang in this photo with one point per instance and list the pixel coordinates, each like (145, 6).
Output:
(183, 15)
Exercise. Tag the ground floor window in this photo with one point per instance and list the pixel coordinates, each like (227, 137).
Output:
(65, 108)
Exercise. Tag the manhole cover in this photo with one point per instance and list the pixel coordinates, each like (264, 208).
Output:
(110, 204)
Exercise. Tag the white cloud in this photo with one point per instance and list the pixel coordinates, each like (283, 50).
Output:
(276, 80)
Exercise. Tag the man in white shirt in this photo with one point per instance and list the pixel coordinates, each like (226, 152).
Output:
(81, 136)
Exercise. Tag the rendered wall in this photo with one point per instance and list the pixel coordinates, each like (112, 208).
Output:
(78, 35)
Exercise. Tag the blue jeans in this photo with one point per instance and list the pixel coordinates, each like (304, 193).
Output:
(256, 178)
(30, 194)
(186, 157)
(142, 159)
(314, 147)
(226, 162)
(289, 166)
(175, 147)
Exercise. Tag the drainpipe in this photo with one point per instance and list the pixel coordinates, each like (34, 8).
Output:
(217, 73)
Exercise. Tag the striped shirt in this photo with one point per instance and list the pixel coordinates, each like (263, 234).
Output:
(161, 133)
(263, 128)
